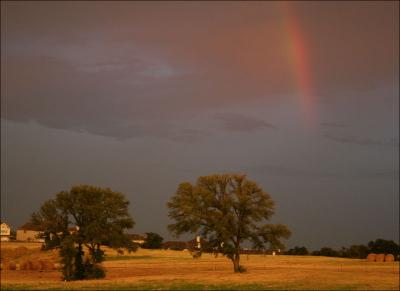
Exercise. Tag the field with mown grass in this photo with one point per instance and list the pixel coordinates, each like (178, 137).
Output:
(165, 269)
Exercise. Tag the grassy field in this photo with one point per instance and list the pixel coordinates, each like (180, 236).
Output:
(177, 270)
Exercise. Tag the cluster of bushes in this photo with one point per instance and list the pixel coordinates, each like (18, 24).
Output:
(153, 241)
(379, 246)
(297, 251)
(75, 266)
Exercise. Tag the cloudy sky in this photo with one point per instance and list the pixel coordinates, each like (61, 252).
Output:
(303, 97)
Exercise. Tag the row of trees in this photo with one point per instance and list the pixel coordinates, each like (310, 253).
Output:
(379, 246)
(226, 210)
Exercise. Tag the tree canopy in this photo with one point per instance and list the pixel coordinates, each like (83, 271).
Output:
(153, 241)
(85, 216)
(298, 251)
(382, 246)
(226, 210)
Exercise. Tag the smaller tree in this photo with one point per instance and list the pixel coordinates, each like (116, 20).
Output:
(357, 251)
(298, 251)
(327, 252)
(98, 218)
(153, 241)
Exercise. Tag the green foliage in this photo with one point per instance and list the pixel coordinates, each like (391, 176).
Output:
(97, 255)
(327, 252)
(355, 251)
(53, 220)
(379, 246)
(382, 246)
(99, 217)
(298, 251)
(68, 254)
(93, 270)
(226, 210)
(153, 241)
(79, 271)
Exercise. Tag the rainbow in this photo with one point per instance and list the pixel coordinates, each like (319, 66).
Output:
(299, 58)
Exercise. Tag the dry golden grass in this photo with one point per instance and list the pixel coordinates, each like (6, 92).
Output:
(163, 269)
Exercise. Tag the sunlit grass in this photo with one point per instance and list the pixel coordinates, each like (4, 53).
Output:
(177, 270)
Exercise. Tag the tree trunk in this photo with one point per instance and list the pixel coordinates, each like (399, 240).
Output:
(236, 261)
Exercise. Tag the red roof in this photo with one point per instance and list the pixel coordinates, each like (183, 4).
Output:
(30, 226)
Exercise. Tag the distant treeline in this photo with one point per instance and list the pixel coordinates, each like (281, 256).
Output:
(379, 246)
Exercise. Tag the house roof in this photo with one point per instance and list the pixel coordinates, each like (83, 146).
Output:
(29, 226)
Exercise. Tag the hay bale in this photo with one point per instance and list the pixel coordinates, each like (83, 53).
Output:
(41, 265)
(30, 265)
(371, 257)
(389, 258)
(20, 251)
(380, 258)
(12, 266)
(24, 265)
(50, 266)
(33, 265)
(45, 265)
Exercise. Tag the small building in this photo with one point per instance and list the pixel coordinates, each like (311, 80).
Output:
(196, 243)
(5, 232)
(29, 232)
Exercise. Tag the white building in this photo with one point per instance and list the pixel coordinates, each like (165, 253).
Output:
(5, 232)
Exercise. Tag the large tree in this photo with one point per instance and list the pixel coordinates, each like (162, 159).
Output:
(226, 210)
(85, 216)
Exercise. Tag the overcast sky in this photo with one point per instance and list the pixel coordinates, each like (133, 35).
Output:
(302, 97)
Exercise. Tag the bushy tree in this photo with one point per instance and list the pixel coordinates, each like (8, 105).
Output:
(68, 254)
(357, 252)
(327, 252)
(226, 210)
(298, 251)
(382, 246)
(98, 217)
(153, 241)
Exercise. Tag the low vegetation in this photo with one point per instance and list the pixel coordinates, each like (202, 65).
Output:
(379, 246)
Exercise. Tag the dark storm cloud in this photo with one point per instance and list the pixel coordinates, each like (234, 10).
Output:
(363, 141)
(124, 69)
(238, 122)
(343, 174)
(188, 135)
(333, 124)
(140, 96)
